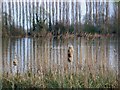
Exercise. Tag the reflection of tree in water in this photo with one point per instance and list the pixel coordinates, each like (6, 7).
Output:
(40, 55)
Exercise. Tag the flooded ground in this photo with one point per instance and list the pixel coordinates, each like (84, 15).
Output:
(40, 55)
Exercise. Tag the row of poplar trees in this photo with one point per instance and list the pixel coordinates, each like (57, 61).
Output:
(25, 16)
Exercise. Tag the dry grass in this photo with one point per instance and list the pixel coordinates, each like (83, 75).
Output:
(90, 70)
(54, 80)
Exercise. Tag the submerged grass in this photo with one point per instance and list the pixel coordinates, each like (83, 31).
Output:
(55, 80)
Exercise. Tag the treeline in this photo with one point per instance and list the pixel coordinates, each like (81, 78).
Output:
(59, 18)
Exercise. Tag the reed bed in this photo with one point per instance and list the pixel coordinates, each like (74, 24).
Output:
(46, 64)
(50, 79)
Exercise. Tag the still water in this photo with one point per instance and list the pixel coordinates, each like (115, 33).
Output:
(40, 55)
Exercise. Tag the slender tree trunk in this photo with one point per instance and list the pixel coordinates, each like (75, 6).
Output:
(60, 10)
(23, 14)
(115, 22)
(6, 24)
(72, 17)
(33, 16)
(99, 13)
(2, 16)
(86, 10)
(76, 28)
(96, 13)
(50, 25)
(107, 12)
(9, 6)
(63, 12)
(47, 13)
(56, 10)
(93, 13)
(20, 14)
(30, 10)
(119, 20)
(67, 16)
(80, 26)
(90, 11)
(118, 31)
(53, 15)
(16, 3)
(26, 16)
(103, 11)
(6, 19)
(13, 14)
(43, 11)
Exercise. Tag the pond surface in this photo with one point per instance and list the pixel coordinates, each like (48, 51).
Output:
(40, 55)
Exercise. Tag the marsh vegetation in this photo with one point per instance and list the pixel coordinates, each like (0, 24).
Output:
(43, 63)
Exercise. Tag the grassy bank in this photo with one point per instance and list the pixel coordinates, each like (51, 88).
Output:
(55, 80)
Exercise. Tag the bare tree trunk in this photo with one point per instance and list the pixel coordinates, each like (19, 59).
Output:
(60, 10)
(26, 17)
(93, 13)
(16, 3)
(106, 18)
(5, 17)
(90, 11)
(118, 33)
(33, 16)
(114, 18)
(103, 15)
(80, 26)
(86, 10)
(43, 11)
(96, 21)
(72, 17)
(13, 13)
(2, 16)
(56, 4)
(9, 6)
(47, 11)
(63, 12)
(53, 15)
(118, 24)
(20, 14)
(23, 14)
(30, 10)
(99, 13)
(67, 16)
(50, 25)
(76, 28)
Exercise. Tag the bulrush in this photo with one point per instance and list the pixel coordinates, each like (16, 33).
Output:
(15, 61)
(70, 53)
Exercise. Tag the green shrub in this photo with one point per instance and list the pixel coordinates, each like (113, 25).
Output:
(91, 29)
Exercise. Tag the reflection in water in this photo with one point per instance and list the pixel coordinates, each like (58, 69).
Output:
(42, 55)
